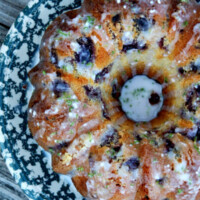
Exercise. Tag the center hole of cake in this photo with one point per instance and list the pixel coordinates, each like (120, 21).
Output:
(141, 98)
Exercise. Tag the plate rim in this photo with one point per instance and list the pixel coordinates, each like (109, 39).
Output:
(4, 141)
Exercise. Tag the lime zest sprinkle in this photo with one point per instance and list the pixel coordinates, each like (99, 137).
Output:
(64, 67)
(195, 145)
(170, 135)
(192, 119)
(80, 169)
(144, 136)
(136, 142)
(138, 91)
(166, 80)
(180, 191)
(67, 34)
(90, 20)
(67, 98)
(185, 1)
(155, 160)
(53, 133)
(51, 150)
(90, 136)
(72, 124)
(185, 23)
(90, 64)
(71, 132)
(59, 154)
(152, 142)
(92, 174)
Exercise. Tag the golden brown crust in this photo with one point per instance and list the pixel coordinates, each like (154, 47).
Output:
(80, 184)
(86, 56)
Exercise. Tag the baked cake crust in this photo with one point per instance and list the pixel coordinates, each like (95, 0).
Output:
(86, 56)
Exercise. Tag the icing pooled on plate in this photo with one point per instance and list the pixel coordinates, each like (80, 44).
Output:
(141, 98)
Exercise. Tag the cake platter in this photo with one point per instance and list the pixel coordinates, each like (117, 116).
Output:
(147, 100)
(27, 162)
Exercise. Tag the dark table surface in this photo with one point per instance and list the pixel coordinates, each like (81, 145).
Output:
(9, 10)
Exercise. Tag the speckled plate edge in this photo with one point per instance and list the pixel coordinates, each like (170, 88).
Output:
(27, 162)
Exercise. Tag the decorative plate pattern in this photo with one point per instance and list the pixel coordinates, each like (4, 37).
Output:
(27, 162)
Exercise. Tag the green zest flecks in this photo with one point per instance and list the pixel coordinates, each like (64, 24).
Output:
(90, 64)
(51, 151)
(90, 20)
(180, 191)
(170, 135)
(138, 91)
(185, 1)
(136, 142)
(136, 98)
(90, 136)
(69, 101)
(185, 23)
(80, 169)
(92, 174)
(59, 154)
(71, 132)
(66, 34)
(68, 67)
(72, 124)
(196, 146)
(113, 52)
(155, 160)
(52, 134)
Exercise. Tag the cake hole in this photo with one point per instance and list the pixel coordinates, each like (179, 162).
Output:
(141, 98)
(154, 98)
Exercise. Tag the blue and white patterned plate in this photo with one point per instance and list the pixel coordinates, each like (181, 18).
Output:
(27, 162)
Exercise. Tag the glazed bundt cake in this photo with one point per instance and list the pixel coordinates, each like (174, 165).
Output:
(117, 98)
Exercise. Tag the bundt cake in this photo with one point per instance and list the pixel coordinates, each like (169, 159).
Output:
(117, 98)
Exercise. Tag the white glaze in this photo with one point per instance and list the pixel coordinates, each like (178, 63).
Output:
(135, 96)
